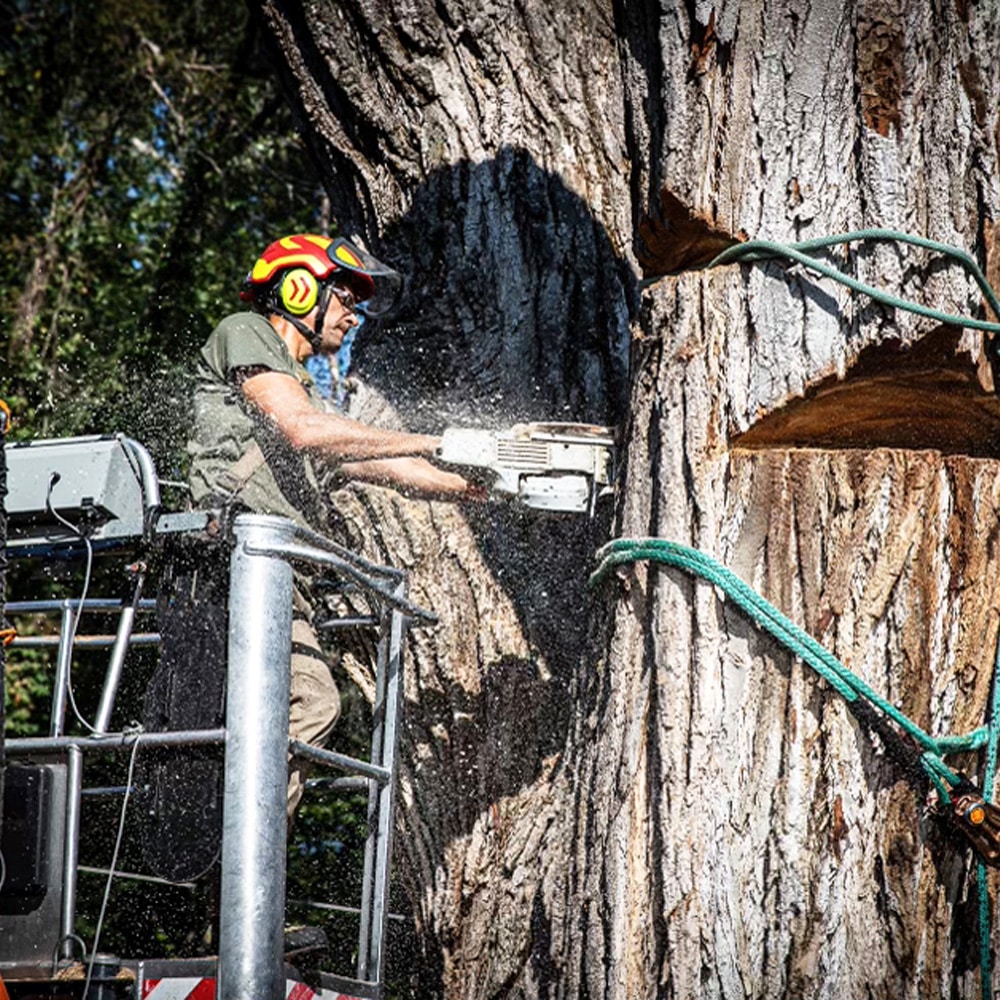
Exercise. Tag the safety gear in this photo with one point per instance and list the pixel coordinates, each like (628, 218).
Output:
(299, 291)
(280, 278)
(979, 821)
(345, 297)
(299, 273)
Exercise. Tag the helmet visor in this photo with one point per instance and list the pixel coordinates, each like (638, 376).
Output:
(376, 285)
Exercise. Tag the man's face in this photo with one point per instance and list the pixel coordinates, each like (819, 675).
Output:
(340, 317)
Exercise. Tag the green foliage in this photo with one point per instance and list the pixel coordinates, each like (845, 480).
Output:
(28, 691)
(145, 159)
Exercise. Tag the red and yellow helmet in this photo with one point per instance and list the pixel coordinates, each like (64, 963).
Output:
(291, 270)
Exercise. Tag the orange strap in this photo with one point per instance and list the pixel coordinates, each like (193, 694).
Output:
(6, 423)
(7, 635)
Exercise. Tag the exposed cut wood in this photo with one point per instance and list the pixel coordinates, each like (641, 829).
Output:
(672, 238)
(925, 396)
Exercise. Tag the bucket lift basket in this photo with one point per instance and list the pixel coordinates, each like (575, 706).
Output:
(68, 493)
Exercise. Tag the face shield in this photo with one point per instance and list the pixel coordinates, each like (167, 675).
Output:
(376, 285)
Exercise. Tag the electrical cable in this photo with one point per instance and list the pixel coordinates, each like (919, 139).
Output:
(53, 479)
(114, 863)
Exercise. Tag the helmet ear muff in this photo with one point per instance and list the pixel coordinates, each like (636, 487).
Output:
(299, 291)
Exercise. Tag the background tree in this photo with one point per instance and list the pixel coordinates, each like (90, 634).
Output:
(146, 157)
(649, 799)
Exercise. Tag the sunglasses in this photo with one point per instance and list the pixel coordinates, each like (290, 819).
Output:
(345, 297)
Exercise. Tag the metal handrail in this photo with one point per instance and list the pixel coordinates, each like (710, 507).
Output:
(99, 604)
(83, 641)
(348, 555)
(249, 953)
(340, 761)
(28, 746)
(318, 557)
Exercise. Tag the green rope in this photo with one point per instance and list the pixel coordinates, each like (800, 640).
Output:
(757, 250)
(847, 684)
(989, 780)
(754, 251)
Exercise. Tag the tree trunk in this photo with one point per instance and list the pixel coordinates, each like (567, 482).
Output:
(632, 793)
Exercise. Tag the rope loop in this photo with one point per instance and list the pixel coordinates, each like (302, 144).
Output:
(802, 645)
(754, 251)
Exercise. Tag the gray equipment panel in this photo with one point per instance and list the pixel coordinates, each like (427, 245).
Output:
(95, 483)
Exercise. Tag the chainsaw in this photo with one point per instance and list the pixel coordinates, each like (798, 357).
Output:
(556, 467)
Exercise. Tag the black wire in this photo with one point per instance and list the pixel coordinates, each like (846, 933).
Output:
(53, 479)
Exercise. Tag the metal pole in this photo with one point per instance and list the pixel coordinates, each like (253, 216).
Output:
(369, 878)
(85, 641)
(32, 746)
(330, 758)
(71, 851)
(114, 675)
(63, 661)
(91, 604)
(74, 782)
(252, 897)
(378, 849)
(387, 794)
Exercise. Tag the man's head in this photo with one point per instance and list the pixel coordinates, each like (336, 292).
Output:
(317, 283)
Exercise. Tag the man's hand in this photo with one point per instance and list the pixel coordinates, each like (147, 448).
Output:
(476, 492)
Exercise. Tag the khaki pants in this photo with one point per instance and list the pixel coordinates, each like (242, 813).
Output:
(315, 701)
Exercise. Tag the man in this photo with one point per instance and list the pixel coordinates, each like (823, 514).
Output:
(264, 438)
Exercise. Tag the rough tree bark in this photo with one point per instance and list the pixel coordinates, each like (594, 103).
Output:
(634, 794)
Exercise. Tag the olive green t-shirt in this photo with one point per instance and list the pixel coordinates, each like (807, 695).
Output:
(282, 481)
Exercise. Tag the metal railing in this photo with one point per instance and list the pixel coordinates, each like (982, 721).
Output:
(256, 742)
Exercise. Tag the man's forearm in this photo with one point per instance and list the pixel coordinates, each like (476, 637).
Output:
(410, 475)
(343, 438)
(280, 399)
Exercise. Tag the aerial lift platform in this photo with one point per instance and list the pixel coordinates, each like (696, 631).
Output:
(78, 497)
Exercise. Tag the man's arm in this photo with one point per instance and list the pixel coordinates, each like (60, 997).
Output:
(281, 399)
(413, 475)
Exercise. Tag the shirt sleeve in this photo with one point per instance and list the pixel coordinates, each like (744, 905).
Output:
(246, 340)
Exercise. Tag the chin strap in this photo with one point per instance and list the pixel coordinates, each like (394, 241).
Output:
(325, 297)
